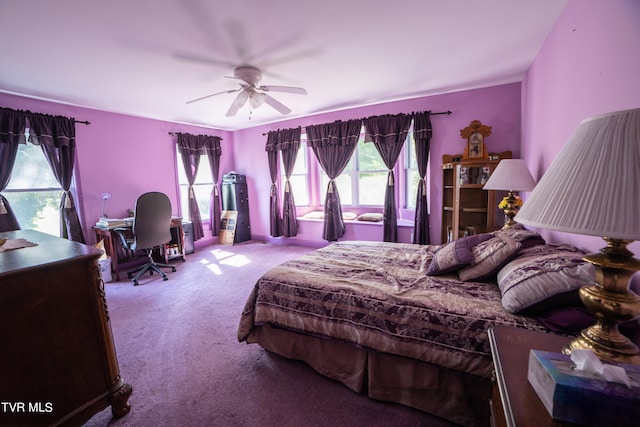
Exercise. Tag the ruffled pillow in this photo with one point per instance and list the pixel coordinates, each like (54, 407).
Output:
(543, 277)
(488, 257)
(455, 255)
(519, 233)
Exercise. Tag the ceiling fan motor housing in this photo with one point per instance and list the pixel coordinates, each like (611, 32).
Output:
(249, 74)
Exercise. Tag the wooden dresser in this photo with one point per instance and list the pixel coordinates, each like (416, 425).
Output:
(58, 363)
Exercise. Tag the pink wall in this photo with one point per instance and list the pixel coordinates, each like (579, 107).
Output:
(587, 66)
(122, 155)
(498, 107)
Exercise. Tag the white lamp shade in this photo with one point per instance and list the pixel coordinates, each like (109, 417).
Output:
(593, 185)
(512, 175)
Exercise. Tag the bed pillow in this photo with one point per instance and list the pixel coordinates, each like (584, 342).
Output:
(371, 217)
(488, 257)
(349, 216)
(314, 215)
(519, 233)
(455, 255)
(543, 278)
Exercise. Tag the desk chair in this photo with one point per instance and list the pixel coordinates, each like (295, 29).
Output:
(151, 229)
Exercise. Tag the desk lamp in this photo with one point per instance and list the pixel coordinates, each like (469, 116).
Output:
(105, 197)
(511, 175)
(593, 188)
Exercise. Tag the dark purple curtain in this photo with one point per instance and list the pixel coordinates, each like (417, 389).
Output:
(12, 127)
(190, 149)
(56, 135)
(388, 134)
(333, 145)
(289, 144)
(212, 148)
(271, 148)
(422, 137)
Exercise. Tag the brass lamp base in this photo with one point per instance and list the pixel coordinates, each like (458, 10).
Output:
(511, 210)
(611, 301)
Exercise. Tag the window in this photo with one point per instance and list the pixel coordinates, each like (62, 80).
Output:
(363, 181)
(372, 175)
(33, 191)
(299, 177)
(202, 187)
(412, 177)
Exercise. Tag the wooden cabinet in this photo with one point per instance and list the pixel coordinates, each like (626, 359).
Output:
(466, 207)
(57, 361)
(513, 401)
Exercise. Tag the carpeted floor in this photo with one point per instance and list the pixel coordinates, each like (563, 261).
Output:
(176, 345)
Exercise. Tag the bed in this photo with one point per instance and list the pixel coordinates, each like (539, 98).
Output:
(408, 323)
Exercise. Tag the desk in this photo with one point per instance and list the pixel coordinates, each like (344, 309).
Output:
(119, 255)
(514, 402)
(58, 362)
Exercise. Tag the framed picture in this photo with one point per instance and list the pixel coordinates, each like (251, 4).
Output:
(475, 135)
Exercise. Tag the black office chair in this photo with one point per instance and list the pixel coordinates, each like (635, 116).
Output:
(151, 229)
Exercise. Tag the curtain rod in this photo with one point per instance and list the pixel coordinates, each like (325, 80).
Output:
(448, 113)
(84, 122)
(176, 134)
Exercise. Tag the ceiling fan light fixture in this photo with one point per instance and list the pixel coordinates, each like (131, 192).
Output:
(257, 99)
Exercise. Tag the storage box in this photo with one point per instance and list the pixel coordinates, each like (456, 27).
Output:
(577, 397)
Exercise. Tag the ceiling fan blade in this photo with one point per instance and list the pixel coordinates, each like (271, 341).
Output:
(201, 59)
(282, 109)
(213, 94)
(287, 89)
(237, 103)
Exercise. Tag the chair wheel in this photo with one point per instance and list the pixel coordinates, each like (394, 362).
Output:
(165, 278)
(173, 269)
(135, 283)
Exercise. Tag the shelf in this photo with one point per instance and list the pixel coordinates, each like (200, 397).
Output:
(465, 203)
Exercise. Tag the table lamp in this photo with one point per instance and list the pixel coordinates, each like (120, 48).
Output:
(593, 188)
(511, 175)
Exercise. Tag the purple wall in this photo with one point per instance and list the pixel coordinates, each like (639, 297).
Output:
(497, 106)
(123, 155)
(127, 155)
(587, 66)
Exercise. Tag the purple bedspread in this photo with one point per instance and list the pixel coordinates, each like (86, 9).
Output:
(373, 294)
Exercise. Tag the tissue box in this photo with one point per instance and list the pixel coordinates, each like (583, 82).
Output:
(577, 397)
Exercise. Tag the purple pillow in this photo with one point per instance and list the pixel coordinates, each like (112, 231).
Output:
(455, 255)
(489, 257)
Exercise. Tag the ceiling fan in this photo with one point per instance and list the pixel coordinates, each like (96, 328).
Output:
(256, 95)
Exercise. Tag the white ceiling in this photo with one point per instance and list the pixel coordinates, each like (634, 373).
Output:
(148, 57)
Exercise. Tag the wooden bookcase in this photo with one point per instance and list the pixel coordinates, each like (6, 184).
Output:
(466, 207)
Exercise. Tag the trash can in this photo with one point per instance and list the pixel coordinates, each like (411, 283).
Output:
(105, 268)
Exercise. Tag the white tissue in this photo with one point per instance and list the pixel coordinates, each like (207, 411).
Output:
(586, 361)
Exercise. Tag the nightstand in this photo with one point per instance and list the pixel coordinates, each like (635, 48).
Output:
(513, 401)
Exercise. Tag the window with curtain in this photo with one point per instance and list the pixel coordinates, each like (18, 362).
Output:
(202, 187)
(33, 191)
(360, 182)
(363, 180)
